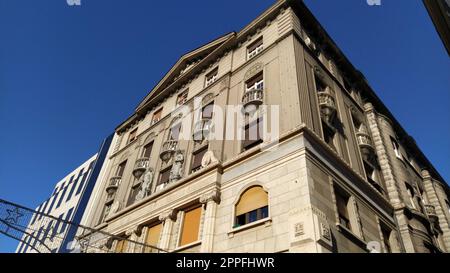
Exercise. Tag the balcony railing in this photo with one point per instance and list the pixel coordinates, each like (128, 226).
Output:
(364, 140)
(168, 149)
(253, 97)
(327, 105)
(202, 129)
(140, 166)
(114, 183)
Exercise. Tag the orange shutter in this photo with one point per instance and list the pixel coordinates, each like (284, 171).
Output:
(153, 234)
(191, 226)
(252, 199)
(121, 246)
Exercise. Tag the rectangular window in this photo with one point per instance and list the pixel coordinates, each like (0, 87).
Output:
(255, 48)
(147, 150)
(157, 116)
(85, 176)
(207, 111)
(175, 132)
(182, 98)
(396, 148)
(134, 191)
(386, 234)
(191, 226)
(121, 168)
(252, 134)
(197, 159)
(62, 195)
(328, 135)
(321, 86)
(257, 82)
(132, 136)
(164, 176)
(121, 246)
(372, 176)
(211, 77)
(152, 238)
(342, 202)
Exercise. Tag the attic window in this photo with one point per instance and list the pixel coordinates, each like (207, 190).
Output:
(255, 48)
(211, 77)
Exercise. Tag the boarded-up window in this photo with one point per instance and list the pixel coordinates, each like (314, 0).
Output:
(147, 150)
(152, 237)
(157, 116)
(191, 226)
(164, 176)
(132, 136)
(252, 136)
(197, 159)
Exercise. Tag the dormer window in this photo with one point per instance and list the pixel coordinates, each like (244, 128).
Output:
(182, 98)
(157, 116)
(255, 48)
(211, 77)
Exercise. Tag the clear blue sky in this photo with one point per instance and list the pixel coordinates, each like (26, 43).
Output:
(69, 75)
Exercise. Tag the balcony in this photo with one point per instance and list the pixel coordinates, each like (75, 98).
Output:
(431, 212)
(327, 105)
(253, 97)
(168, 149)
(140, 166)
(364, 142)
(202, 129)
(114, 183)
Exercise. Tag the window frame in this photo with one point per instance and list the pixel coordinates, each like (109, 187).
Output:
(182, 223)
(183, 96)
(211, 77)
(255, 48)
(167, 169)
(157, 116)
(132, 136)
(259, 210)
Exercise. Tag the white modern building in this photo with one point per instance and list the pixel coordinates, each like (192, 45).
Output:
(61, 204)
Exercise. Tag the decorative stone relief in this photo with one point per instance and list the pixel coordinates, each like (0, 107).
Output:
(299, 229)
(177, 169)
(208, 158)
(213, 195)
(170, 214)
(114, 208)
(146, 184)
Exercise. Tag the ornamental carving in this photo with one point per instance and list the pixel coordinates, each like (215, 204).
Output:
(208, 159)
(170, 214)
(213, 195)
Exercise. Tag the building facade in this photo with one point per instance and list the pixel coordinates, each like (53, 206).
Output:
(66, 204)
(439, 11)
(341, 175)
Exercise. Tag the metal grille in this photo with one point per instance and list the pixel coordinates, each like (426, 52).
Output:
(42, 233)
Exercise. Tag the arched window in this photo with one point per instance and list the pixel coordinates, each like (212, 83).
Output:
(253, 205)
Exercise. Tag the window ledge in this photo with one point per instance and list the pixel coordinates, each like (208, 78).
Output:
(266, 222)
(181, 248)
(353, 237)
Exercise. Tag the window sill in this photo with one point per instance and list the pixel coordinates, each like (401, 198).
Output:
(353, 237)
(181, 248)
(266, 222)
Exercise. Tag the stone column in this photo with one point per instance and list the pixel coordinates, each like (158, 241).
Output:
(209, 201)
(132, 234)
(168, 218)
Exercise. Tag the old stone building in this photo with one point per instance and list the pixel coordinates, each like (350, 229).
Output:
(341, 176)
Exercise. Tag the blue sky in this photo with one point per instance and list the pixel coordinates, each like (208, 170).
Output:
(69, 75)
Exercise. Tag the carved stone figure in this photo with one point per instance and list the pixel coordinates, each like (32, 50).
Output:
(176, 171)
(208, 158)
(146, 184)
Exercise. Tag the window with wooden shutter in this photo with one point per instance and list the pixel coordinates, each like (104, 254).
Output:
(197, 159)
(157, 116)
(132, 136)
(191, 226)
(253, 205)
(152, 238)
(121, 246)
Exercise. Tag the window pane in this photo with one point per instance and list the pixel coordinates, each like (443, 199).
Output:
(148, 150)
(197, 160)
